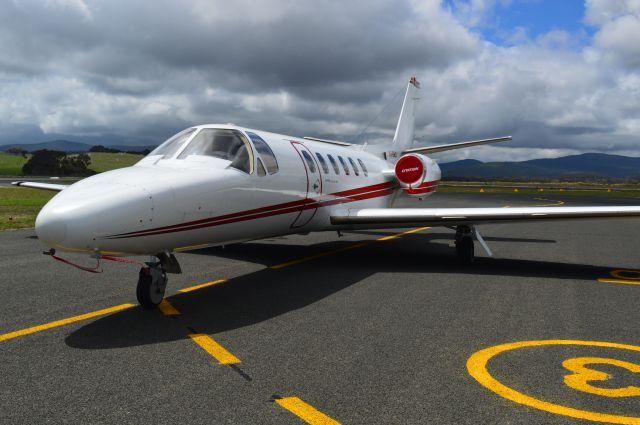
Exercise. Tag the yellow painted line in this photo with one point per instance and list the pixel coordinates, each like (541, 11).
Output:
(186, 248)
(216, 350)
(477, 368)
(557, 203)
(346, 248)
(624, 274)
(583, 375)
(202, 285)
(167, 309)
(397, 235)
(57, 323)
(322, 254)
(306, 412)
(626, 282)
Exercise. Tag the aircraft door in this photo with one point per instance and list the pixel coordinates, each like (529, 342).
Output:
(314, 185)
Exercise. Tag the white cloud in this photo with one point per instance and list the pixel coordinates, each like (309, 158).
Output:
(620, 40)
(601, 12)
(137, 71)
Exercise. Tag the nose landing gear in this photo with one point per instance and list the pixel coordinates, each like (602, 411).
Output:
(152, 280)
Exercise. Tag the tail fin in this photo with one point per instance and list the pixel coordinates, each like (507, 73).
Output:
(403, 138)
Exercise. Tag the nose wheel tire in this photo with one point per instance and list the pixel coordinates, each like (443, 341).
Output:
(465, 249)
(152, 282)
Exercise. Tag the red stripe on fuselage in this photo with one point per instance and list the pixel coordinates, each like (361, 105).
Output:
(351, 195)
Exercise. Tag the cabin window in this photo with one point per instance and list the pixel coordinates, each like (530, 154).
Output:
(310, 163)
(169, 148)
(355, 167)
(364, 169)
(225, 144)
(323, 163)
(270, 162)
(334, 164)
(344, 165)
(260, 167)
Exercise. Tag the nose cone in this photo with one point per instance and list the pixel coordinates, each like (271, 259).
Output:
(79, 217)
(51, 228)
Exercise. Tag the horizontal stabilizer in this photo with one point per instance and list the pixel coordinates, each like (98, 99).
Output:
(442, 148)
(43, 186)
(405, 217)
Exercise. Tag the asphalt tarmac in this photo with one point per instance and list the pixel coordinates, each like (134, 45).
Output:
(358, 329)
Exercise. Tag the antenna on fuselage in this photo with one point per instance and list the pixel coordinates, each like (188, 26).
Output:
(382, 111)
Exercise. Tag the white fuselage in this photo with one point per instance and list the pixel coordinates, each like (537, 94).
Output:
(165, 203)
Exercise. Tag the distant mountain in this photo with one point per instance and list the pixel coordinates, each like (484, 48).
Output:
(55, 145)
(588, 165)
(127, 148)
(70, 147)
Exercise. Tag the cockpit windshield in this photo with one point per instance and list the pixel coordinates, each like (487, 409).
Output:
(222, 143)
(173, 144)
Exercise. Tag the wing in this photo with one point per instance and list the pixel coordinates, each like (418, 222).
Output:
(406, 217)
(460, 145)
(43, 186)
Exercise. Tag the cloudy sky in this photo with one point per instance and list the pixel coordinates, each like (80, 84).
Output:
(562, 77)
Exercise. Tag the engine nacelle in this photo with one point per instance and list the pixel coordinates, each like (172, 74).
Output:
(417, 174)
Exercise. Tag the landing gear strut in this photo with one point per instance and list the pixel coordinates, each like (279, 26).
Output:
(464, 244)
(152, 280)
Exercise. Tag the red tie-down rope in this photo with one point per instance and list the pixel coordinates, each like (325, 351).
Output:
(97, 268)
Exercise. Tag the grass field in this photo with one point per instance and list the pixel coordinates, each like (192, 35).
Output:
(19, 206)
(11, 165)
(101, 162)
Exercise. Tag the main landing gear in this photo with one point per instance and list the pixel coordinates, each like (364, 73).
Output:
(465, 248)
(152, 280)
(464, 244)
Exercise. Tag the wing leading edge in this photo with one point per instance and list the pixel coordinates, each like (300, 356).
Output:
(404, 217)
(43, 186)
(459, 145)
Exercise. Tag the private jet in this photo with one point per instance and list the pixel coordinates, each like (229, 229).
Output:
(221, 184)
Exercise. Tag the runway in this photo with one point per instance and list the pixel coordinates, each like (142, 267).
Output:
(376, 327)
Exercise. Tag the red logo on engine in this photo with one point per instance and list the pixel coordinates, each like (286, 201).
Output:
(409, 169)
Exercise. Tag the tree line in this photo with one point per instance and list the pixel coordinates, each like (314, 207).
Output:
(56, 163)
(47, 162)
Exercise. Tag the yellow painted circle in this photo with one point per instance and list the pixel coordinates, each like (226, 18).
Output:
(624, 274)
(477, 367)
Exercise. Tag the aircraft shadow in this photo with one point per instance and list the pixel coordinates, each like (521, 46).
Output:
(267, 293)
(273, 253)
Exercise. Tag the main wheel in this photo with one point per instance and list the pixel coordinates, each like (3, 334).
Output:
(151, 285)
(465, 249)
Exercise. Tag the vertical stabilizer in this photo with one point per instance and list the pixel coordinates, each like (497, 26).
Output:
(403, 138)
